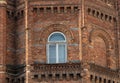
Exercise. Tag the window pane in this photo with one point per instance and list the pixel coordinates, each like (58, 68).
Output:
(57, 37)
(52, 53)
(61, 53)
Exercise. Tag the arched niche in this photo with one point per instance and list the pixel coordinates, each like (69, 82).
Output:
(101, 47)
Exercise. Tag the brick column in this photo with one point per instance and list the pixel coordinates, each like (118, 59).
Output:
(85, 73)
(2, 40)
(119, 32)
(85, 43)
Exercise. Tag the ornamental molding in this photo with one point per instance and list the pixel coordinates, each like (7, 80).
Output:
(45, 32)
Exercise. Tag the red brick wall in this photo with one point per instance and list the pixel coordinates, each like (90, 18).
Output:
(38, 22)
(99, 52)
(94, 21)
(100, 33)
(20, 51)
(10, 36)
(119, 3)
(119, 30)
(2, 33)
(46, 22)
(2, 41)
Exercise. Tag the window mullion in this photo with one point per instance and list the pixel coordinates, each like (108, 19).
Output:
(65, 52)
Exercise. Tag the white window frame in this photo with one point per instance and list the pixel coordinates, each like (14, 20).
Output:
(56, 44)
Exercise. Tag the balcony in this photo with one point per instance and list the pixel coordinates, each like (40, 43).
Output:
(56, 71)
(72, 71)
(104, 71)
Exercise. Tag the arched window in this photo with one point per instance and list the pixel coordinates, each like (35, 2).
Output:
(56, 48)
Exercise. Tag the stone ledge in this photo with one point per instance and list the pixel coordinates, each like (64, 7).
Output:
(3, 2)
(2, 68)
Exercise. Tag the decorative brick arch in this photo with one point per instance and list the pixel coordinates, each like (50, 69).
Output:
(102, 34)
(108, 43)
(56, 27)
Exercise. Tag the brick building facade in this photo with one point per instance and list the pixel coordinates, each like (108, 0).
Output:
(59, 41)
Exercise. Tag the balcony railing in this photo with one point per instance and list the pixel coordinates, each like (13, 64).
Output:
(104, 71)
(59, 71)
(69, 71)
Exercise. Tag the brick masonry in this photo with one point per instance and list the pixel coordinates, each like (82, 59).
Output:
(91, 28)
(2, 41)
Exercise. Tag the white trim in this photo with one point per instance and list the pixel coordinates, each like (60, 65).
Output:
(57, 59)
(1, 65)
(2, 72)
(65, 52)
(56, 47)
(47, 50)
(57, 55)
(54, 33)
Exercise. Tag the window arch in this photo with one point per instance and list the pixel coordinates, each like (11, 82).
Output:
(56, 48)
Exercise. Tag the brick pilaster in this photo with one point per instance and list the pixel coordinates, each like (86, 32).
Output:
(85, 72)
(2, 40)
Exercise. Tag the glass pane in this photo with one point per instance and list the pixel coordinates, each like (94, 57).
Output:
(52, 53)
(57, 37)
(61, 53)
